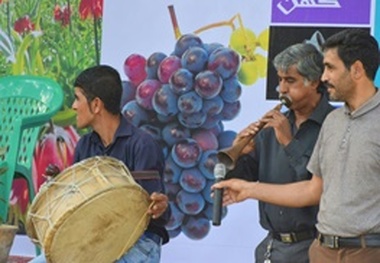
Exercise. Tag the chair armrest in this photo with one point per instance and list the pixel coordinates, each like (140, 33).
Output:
(36, 120)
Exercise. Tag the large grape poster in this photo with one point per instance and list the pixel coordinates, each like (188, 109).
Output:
(181, 37)
(188, 71)
(195, 73)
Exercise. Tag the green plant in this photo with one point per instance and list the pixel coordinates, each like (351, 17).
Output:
(57, 39)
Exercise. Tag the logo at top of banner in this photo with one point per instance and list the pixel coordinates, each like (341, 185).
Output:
(322, 12)
(287, 6)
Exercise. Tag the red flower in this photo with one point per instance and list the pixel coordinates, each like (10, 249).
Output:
(57, 13)
(23, 25)
(91, 8)
(62, 15)
(66, 16)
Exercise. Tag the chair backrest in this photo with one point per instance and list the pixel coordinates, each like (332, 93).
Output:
(26, 103)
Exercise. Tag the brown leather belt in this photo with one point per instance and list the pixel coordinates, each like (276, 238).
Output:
(294, 237)
(370, 240)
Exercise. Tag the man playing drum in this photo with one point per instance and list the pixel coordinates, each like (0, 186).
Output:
(98, 92)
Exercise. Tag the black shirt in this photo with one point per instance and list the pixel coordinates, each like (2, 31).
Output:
(139, 152)
(271, 162)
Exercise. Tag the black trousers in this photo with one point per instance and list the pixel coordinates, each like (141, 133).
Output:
(283, 252)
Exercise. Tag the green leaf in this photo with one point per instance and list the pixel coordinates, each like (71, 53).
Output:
(22, 52)
(6, 46)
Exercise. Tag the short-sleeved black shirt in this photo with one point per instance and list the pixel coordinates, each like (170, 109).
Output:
(139, 152)
(270, 162)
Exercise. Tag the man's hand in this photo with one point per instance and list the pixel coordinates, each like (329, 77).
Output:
(235, 190)
(249, 131)
(280, 124)
(51, 171)
(160, 204)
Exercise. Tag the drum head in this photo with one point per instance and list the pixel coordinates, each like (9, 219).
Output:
(93, 211)
(101, 230)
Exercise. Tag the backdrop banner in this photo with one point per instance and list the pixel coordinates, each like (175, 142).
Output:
(194, 74)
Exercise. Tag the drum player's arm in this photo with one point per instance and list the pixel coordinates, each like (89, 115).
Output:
(149, 156)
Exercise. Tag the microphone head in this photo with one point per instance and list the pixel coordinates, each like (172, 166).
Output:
(219, 171)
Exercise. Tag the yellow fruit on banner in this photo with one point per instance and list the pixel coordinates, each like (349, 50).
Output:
(261, 65)
(248, 73)
(243, 41)
(263, 39)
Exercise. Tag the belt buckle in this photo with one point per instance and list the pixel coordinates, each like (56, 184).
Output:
(330, 241)
(286, 237)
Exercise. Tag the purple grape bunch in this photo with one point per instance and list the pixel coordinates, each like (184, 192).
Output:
(182, 100)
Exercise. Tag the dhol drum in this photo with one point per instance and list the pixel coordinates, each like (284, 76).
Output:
(93, 211)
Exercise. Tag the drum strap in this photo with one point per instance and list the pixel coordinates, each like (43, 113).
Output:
(145, 175)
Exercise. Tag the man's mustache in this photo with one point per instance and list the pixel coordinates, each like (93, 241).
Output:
(328, 85)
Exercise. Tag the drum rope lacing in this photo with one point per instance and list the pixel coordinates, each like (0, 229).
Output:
(74, 187)
(141, 221)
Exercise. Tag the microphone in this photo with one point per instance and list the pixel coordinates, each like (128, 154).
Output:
(219, 173)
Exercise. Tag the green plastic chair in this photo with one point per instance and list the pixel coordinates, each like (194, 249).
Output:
(26, 104)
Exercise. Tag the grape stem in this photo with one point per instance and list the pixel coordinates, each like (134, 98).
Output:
(230, 23)
(222, 23)
(173, 17)
(213, 25)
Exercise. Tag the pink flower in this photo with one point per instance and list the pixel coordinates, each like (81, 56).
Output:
(55, 147)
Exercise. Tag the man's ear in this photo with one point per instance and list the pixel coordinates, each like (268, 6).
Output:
(314, 84)
(357, 69)
(97, 105)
